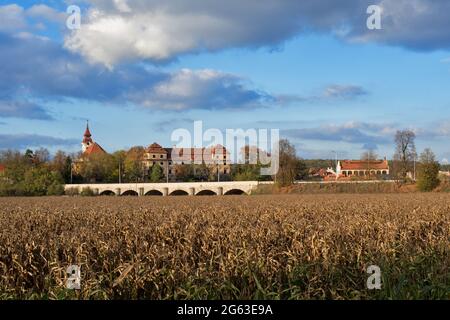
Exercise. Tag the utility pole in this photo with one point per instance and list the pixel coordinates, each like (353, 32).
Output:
(120, 173)
(218, 170)
(414, 167)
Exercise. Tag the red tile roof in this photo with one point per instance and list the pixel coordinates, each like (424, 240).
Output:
(364, 165)
(87, 135)
(94, 148)
(2, 168)
(156, 148)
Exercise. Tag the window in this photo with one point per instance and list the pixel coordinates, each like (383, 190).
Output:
(224, 171)
(154, 156)
(170, 171)
(170, 162)
(161, 156)
(161, 163)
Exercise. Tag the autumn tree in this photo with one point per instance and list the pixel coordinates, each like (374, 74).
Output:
(97, 168)
(62, 163)
(134, 165)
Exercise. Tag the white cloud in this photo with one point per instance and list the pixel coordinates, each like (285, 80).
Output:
(343, 91)
(12, 18)
(120, 30)
(200, 89)
(46, 12)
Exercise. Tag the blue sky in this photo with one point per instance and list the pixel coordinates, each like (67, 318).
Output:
(140, 69)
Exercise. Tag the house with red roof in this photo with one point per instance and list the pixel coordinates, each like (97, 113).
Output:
(2, 169)
(349, 168)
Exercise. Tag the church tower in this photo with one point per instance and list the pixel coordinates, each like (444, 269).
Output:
(87, 140)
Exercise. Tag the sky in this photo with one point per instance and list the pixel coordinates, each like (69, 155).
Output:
(139, 69)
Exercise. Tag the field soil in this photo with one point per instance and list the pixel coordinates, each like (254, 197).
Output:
(230, 247)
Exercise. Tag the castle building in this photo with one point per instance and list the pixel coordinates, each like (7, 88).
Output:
(215, 157)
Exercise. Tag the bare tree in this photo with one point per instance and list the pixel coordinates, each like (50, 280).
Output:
(405, 152)
(368, 157)
(288, 164)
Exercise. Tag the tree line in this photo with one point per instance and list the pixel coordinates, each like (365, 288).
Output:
(36, 173)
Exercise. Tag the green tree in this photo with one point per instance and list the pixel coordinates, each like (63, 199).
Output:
(157, 173)
(428, 175)
(301, 170)
(37, 181)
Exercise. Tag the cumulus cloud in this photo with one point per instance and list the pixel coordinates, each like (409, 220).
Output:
(12, 18)
(21, 141)
(52, 72)
(158, 30)
(45, 12)
(201, 89)
(15, 19)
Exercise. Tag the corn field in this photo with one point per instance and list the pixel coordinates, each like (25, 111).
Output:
(229, 247)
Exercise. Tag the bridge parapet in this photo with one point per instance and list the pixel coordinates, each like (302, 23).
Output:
(165, 189)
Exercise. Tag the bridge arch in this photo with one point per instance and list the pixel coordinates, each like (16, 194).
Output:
(130, 193)
(179, 193)
(206, 193)
(154, 193)
(107, 193)
(234, 192)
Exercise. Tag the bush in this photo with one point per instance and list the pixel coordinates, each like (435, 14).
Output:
(428, 178)
(87, 192)
(55, 189)
(72, 192)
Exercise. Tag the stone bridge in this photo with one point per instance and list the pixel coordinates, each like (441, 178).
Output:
(169, 189)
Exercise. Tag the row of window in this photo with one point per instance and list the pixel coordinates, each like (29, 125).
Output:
(364, 172)
(225, 171)
(161, 156)
(170, 163)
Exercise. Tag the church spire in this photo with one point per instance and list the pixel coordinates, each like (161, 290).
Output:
(87, 133)
(87, 140)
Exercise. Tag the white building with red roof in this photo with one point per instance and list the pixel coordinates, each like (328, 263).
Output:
(349, 168)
